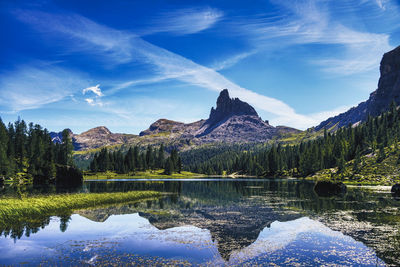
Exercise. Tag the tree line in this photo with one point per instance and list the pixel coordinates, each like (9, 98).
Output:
(27, 152)
(330, 150)
(136, 160)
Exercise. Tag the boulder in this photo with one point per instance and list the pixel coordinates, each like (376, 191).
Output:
(328, 189)
(396, 190)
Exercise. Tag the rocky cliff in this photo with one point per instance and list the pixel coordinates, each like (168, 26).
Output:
(379, 100)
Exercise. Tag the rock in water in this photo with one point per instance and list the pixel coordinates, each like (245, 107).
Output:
(328, 189)
(396, 190)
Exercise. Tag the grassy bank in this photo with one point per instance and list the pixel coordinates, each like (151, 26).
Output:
(13, 209)
(369, 171)
(139, 175)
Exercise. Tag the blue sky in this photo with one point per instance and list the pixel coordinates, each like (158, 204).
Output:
(125, 64)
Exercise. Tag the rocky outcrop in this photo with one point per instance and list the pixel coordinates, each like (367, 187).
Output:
(379, 100)
(396, 190)
(229, 107)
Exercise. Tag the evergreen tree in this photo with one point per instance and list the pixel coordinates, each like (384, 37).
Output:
(4, 161)
(67, 148)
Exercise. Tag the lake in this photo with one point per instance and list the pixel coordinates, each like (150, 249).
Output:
(217, 222)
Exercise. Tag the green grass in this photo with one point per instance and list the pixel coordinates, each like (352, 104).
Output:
(31, 208)
(140, 175)
(371, 172)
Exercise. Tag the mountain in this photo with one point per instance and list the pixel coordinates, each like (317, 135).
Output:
(231, 121)
(379, 100)
(234, 120)
(94, 138)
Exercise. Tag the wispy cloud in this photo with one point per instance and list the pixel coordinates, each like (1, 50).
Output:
(310, 22)
(185, 21)
(231, 61)
(310, 27)
(111, 43)
(30, 87)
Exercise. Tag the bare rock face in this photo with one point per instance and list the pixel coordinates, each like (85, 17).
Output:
(227, 107)
(379, 100)
(234, 121)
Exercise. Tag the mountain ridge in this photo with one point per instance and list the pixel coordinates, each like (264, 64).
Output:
(379, 100)
(231, 121)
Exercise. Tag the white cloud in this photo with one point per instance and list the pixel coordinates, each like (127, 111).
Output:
(31, 87)
(90, 101)
(185, 21)
(95, 89)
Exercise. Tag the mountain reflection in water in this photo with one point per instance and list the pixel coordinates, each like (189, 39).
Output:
(218, 223)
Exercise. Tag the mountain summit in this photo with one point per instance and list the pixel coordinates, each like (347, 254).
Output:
(227, 107)
(234, 120)
(379, 100)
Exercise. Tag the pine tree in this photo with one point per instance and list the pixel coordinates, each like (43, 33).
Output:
(169, 168)
(4, 161)
(67, 148)
(160, 156)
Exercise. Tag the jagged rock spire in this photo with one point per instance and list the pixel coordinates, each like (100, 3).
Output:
(227, 107)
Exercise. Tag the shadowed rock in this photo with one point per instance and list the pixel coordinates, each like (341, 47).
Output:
(396, 190)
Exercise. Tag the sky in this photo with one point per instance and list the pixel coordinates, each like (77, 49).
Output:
(125, 64)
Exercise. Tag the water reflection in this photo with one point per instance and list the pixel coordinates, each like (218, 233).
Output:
(218, 222)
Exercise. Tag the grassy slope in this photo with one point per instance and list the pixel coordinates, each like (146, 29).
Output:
(13, 209)
(370, 171)
(139, 175)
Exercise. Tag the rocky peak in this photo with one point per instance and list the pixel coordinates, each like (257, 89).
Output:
(101, 130)
(228, 107)
(163, 126)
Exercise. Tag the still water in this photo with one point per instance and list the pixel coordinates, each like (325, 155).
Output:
(218, 223)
